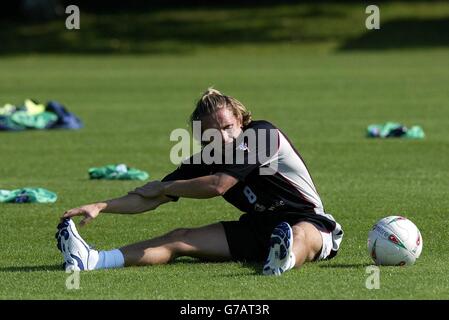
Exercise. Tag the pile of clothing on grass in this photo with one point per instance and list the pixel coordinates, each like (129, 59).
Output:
(28, 195)
(33, 115)
(117, 172)
(394, 130)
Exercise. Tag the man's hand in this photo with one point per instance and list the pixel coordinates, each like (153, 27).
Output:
(152, 189)
(90, 211)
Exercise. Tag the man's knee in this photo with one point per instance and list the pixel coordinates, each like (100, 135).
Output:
(178, 235)
(309, 237)
(178, 240)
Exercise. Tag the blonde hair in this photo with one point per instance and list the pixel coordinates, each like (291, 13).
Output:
(212, 100)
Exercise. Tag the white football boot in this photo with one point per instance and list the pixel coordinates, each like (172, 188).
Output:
(280, 257)
(78, 255)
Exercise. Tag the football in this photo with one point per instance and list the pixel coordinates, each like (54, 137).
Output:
(394, 241)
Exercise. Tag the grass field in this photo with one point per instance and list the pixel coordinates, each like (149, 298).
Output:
(323, 100)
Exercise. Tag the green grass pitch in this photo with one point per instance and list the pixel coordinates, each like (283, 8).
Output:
(323, 101)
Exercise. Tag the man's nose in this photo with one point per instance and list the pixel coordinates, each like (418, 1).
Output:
(224, 136)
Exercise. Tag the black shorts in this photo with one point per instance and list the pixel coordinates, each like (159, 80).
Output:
(249, 237)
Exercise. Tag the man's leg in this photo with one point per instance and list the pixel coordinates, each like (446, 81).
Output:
(307, 242)
(208, 242)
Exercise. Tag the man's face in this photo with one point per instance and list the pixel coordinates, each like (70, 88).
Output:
(229, 126)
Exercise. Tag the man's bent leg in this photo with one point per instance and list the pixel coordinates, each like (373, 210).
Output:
(291, 246)
(307, 242)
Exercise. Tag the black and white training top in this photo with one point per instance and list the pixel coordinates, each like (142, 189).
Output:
(285, 185)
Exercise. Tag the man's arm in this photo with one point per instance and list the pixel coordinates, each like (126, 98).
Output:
(198, 188)
(131, 203)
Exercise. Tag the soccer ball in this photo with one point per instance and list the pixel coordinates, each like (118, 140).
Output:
(394, 241)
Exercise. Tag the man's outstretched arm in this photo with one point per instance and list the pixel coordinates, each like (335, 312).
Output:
(132, 203)
(129, 204)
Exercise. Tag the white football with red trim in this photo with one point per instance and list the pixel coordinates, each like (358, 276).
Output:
(394, 241)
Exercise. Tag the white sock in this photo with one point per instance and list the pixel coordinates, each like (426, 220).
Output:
(110, 259)
(292, 261)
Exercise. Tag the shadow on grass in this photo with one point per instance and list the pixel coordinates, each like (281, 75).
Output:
(254, 266)
(403, 34)
(55, 267)
(257, 267)
(184, 260)
(255, 270)
(345, 265)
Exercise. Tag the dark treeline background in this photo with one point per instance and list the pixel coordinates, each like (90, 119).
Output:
(48, 9)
